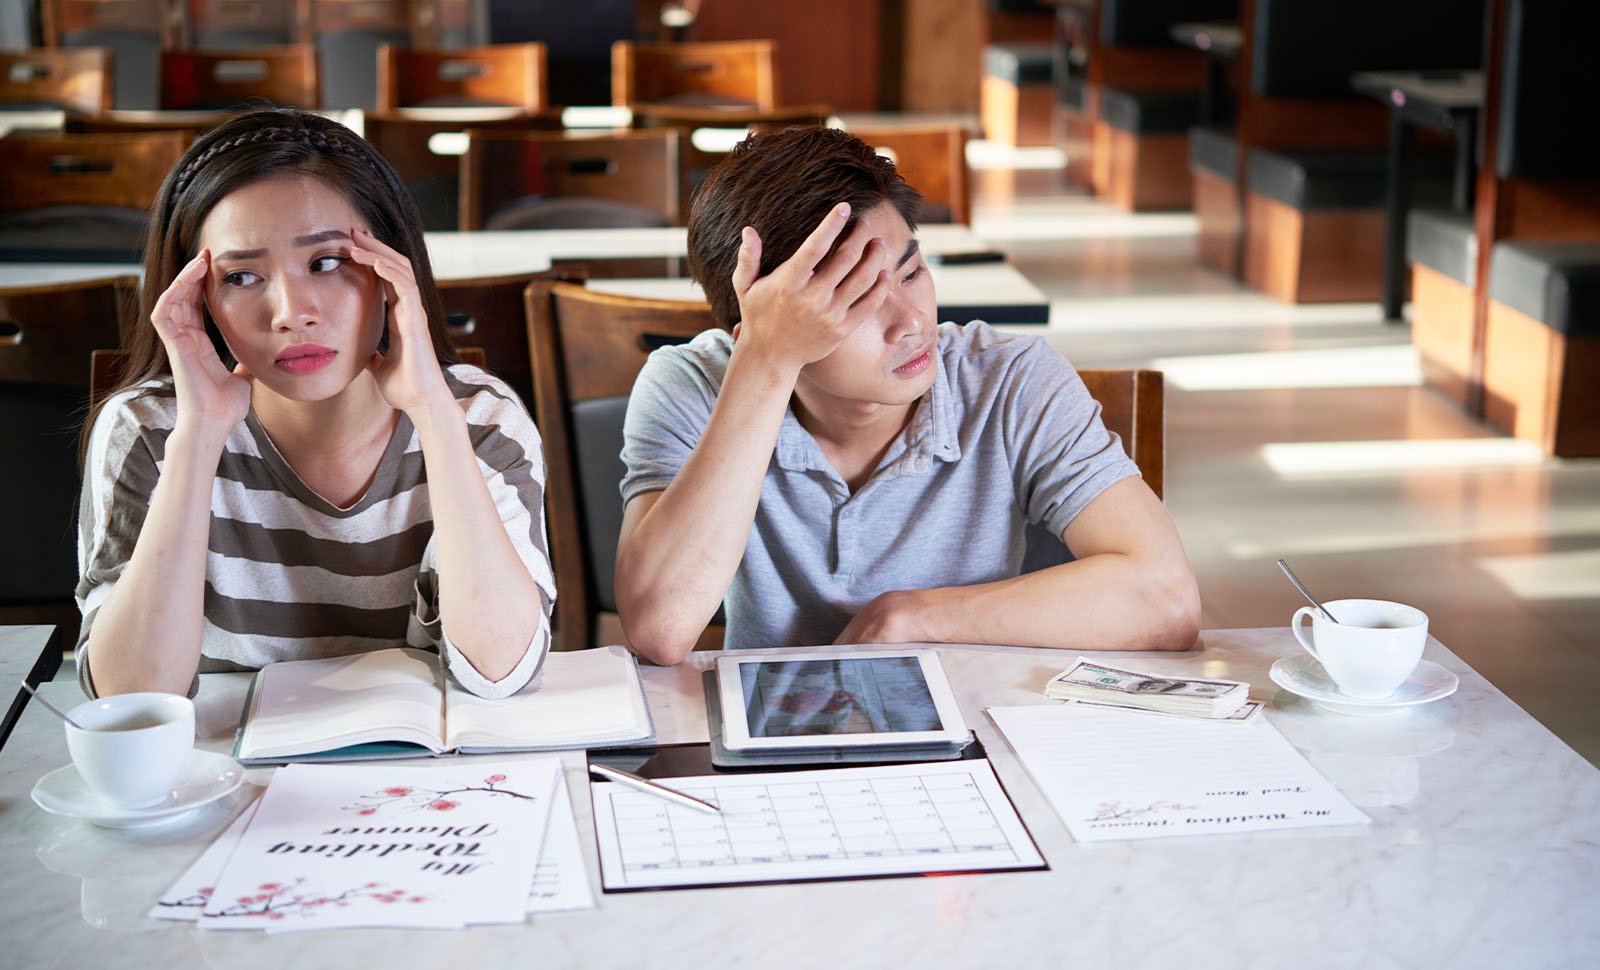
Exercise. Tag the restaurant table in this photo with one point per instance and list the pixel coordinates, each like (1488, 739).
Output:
(998, 289)
(1221, 43)
(1483, 851)
(22, 656)
(1447, 101)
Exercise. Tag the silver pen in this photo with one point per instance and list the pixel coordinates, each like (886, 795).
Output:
(630, 780)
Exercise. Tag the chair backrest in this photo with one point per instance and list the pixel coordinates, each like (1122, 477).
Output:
(708, 134)
(1133, 404)
(729, 73)
(46, 336)
(132, 32)
(534, 180)
(932, 158)
(511, 75)
(226, 24)
(348, 37)
(201, 80)
(72, 79)
(430, 166)
(587, 350)
(81, 197)
(487, 317)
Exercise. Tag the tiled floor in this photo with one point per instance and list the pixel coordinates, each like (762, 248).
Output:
(1498, 545)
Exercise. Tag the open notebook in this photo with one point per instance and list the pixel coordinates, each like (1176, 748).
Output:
(389, 703)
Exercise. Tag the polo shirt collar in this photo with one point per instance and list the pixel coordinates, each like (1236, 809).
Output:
(934, 433)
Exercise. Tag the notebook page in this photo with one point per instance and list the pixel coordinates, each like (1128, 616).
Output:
(1128, 775)
(304, 706)
(579, 697)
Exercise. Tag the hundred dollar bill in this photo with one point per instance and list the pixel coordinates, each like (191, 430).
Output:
(1085, 673)
(1245, 713)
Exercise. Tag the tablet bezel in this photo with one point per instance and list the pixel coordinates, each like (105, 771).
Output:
(736, 727)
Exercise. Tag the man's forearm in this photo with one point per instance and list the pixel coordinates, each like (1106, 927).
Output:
(1109, 601)
(676, 564)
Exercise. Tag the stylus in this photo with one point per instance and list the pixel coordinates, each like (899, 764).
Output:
(651, 788)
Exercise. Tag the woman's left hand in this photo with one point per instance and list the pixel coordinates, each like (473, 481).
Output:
(408, 376)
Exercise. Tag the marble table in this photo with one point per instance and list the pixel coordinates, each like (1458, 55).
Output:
(1484, 851)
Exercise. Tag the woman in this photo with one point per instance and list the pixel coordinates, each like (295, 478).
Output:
(317, 476)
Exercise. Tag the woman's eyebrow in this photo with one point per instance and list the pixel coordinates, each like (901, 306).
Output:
(321, 237)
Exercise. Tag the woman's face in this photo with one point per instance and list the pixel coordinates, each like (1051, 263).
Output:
(293, 307)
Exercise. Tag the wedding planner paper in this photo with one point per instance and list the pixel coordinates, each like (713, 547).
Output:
(835, 823)
(388, 845)
(560, 882)
(1126, 775)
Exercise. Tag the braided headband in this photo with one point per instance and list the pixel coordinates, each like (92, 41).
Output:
(324, 141)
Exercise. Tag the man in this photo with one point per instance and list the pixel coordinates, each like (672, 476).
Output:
(840, 468)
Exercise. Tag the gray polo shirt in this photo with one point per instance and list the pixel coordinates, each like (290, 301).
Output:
(1007, 435)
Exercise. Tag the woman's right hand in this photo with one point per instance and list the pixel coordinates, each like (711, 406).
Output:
(211, 398)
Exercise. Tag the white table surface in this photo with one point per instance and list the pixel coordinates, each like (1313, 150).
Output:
(1484, 851)
(19, 650)
(1012, 297)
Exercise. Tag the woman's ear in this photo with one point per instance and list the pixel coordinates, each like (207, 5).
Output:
(735, 331)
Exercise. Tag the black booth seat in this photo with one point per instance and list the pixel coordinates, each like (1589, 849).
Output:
(1443, 241)
(1019, 63)
(1340, 179)
(1150, 112)
(1556, 283)
(1213, 150)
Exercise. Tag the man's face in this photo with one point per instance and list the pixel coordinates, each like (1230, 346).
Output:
(891, 358)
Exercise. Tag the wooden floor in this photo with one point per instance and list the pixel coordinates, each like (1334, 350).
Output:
(1303, 432)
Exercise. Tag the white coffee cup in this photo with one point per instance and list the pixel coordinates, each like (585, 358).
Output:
(1371, 650)
(133, 748)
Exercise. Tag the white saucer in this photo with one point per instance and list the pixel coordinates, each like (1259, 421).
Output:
(208, 777)
(1301, 674)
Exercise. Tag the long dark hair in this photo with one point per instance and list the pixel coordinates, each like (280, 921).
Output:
(246, 149)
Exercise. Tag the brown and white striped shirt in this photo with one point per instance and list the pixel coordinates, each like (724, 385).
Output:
(289, 575)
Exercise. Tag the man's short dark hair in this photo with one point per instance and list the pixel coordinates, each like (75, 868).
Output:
(783, 183)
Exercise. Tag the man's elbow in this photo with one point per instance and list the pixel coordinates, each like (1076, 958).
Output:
(1175, 623)
(665, 651)
(649, 631)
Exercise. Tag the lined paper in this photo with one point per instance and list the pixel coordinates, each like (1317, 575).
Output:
(1126, 775)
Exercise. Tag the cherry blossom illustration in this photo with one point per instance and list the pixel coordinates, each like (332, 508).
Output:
(418, 799)
(280, 900)
(195, 900)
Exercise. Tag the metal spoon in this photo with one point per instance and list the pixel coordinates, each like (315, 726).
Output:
(51, 707)
(1305, 592)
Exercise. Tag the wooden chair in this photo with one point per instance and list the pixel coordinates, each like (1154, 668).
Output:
(736, 73)
(132, 32)
(46, 334)
(231, 24)
(587, 349)
(705, 133)
(430, 166)
(934, 159)
(81, 197)
(511, 75)
(523, 180)
(70, 79)
(211, 80)
(348, 36)
(487, 319)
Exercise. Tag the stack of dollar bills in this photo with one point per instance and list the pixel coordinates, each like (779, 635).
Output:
(1088, 682)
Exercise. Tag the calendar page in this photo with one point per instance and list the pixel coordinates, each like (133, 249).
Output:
(838, 823)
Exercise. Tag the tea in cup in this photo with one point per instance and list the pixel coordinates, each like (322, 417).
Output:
(132, 749)
(1372, 648)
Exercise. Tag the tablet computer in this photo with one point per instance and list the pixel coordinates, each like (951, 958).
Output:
(799, 700)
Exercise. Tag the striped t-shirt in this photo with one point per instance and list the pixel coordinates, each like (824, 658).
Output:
(289, 575)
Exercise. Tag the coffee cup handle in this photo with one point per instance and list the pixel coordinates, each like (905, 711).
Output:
(1299, 630)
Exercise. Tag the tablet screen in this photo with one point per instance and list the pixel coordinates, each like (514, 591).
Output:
(884, 695)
